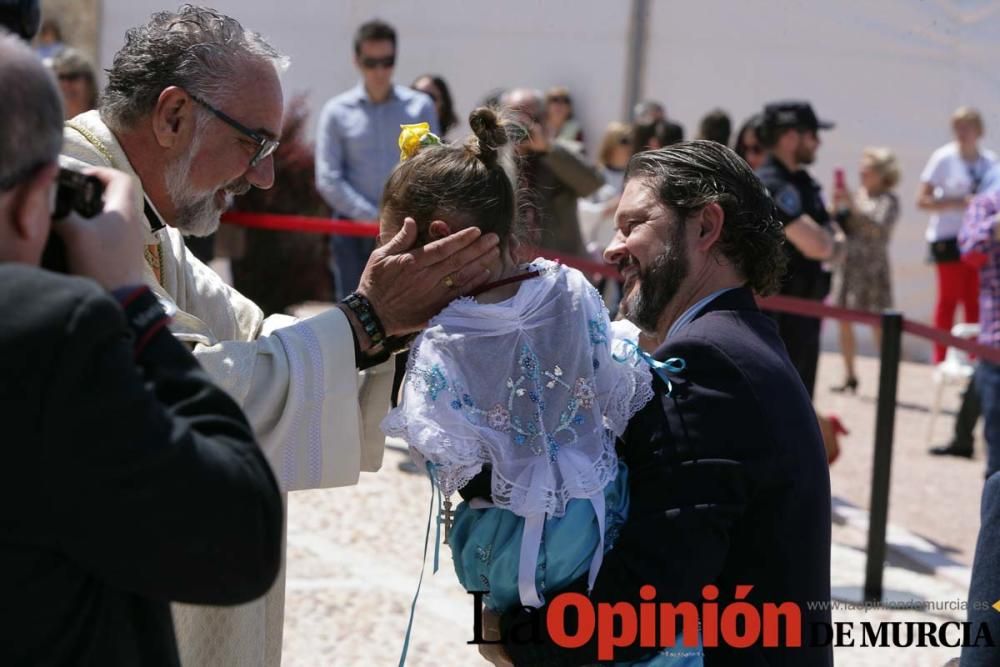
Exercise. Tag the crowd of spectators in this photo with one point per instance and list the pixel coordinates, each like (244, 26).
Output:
(836, 245)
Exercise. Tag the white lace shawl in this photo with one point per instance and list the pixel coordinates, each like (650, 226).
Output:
(529, 385)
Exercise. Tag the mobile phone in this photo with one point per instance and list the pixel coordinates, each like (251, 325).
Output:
(839, 180)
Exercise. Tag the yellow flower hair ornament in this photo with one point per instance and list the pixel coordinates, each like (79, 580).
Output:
(413, 137)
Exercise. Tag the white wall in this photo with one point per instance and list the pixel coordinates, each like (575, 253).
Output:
(887, 72)
(475, 46)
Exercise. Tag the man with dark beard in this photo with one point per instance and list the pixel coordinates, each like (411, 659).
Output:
(192, 110)
(790, 133)
(728, 482)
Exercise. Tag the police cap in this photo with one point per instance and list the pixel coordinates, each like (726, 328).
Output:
(793, 113)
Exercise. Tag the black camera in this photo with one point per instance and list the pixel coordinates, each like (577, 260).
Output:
(74, 192)
(78, 192)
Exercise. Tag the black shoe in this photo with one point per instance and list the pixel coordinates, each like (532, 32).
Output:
(951, 449)
(850, 386)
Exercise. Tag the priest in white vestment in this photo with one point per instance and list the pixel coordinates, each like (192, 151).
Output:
(316, 417)
(296, 381)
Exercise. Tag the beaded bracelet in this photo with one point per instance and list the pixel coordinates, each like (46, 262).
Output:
(362, 308)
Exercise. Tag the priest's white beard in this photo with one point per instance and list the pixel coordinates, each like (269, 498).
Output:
(197, 211)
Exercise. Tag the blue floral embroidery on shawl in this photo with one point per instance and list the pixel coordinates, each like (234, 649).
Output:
(433, 380)
(598, 331)
(524, 421)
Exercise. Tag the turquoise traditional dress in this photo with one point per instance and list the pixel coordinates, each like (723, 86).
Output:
(537, 387)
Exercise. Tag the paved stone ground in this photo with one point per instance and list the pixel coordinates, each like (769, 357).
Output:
(354, 554)
(937, 498)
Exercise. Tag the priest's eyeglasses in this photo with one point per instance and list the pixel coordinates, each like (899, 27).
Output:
(265, 145)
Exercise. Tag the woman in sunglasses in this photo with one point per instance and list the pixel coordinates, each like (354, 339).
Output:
(77, 82)
(559, 122)
(748, 144)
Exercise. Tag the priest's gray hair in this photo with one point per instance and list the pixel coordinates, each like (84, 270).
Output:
(195, 48)
(32, 120)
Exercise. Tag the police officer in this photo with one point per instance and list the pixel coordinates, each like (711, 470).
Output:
(790, 133)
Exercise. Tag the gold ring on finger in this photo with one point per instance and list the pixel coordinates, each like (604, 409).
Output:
(448, 281)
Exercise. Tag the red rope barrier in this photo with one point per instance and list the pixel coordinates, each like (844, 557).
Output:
(302, 223)
(784, 304)
(970, 345)
(579, 263)
(817, 309)
(369, 229)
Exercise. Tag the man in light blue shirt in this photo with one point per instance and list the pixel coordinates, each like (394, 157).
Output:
(357, 149)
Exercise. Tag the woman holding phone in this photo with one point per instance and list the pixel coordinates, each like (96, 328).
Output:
(868, 217)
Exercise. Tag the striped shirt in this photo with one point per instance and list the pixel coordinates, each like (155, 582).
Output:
(979, 243)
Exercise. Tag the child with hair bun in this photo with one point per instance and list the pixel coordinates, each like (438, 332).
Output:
(514, 395)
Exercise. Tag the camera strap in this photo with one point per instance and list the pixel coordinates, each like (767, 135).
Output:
(152, 217)
(153, 253)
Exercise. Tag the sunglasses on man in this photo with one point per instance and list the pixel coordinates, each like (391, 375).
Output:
(265, 145)
(387, 62)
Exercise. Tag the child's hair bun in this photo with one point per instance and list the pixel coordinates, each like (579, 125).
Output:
(490, 134)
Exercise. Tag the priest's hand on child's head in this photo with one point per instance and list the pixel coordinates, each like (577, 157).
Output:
(407, 286)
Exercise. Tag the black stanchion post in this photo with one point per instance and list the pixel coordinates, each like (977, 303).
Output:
(885, 422)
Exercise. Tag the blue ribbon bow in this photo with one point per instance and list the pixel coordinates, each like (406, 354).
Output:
(673, 365)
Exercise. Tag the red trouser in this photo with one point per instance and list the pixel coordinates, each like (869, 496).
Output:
(957, 283)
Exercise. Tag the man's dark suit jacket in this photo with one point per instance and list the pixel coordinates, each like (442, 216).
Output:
(126, 483)
(984, 590)
(729, 486)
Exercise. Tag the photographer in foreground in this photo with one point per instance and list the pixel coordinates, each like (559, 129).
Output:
(129, 480)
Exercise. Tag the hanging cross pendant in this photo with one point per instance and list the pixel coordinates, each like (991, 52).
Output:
(446, 517)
